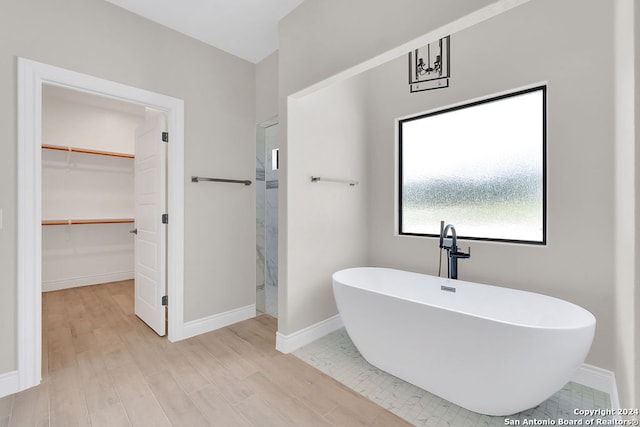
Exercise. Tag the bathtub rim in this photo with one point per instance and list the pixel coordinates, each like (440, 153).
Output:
(592, 321)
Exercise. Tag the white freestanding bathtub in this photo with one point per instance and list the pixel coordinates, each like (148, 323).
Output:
(492, 350)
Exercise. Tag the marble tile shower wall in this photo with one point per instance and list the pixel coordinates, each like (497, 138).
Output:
(271, 223)
(260, 222)
(267, 222)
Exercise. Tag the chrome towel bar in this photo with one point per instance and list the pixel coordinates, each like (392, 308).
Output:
(339, 181)
(231, 181)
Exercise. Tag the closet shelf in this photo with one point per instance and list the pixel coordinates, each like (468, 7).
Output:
(87, 221)
(85, 151)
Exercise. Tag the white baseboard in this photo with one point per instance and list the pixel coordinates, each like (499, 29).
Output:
(217, 321)
(9, 383)
(292, 342)
(74, 282)
(598, 379)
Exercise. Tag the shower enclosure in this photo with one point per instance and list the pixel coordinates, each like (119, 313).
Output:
(267, 218)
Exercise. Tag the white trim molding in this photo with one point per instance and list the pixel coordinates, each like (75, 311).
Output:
(9, 383)
(94, 279)
(290, 343)
(217, 321)
(31, 76)
(598, 379)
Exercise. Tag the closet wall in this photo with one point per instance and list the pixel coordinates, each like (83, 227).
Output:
(83, 187)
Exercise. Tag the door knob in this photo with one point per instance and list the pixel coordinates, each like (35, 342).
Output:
(134, 231)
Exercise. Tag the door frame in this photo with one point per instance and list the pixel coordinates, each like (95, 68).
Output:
(31, 76)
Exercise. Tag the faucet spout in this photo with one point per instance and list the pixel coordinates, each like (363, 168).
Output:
(454, 238)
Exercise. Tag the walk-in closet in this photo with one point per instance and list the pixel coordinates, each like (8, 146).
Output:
(87, 188)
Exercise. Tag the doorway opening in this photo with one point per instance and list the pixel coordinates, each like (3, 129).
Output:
(103, 197)
(267, 165)
(32, 76)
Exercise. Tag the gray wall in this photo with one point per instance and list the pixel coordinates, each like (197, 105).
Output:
(267, 88)
(326, 222)
(97, 38)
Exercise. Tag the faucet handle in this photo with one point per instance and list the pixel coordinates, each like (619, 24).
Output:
(459, 254)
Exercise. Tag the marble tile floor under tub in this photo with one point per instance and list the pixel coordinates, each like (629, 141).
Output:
(336, 356)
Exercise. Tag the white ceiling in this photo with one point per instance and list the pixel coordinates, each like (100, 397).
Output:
(245, 28)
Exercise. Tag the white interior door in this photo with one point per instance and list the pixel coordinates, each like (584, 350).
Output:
(150, 240)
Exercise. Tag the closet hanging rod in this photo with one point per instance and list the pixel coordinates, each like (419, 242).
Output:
(231, 181)
(338, 181)
(85, 151)
(87, 221)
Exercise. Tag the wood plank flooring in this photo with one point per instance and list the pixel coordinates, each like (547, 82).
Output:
(102, 366)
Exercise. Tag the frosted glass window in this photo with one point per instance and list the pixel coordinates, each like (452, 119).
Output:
(478, 166)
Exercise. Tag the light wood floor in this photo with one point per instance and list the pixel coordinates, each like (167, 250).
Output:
(102, 366)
